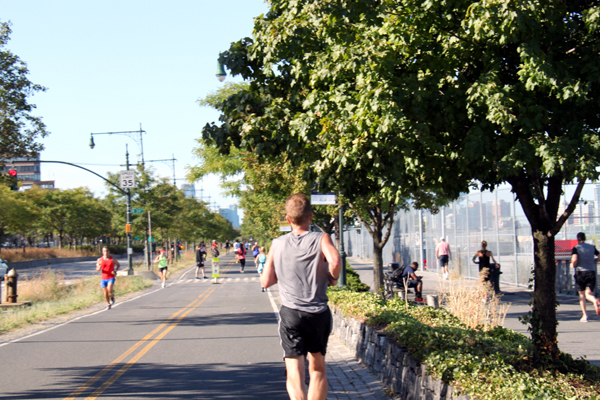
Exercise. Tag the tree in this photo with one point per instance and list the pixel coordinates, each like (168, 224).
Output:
(405, 96)
(508, 89)
(297, 106)
(19, 129)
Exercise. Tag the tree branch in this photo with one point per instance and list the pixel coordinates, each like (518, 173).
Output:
(569, 210)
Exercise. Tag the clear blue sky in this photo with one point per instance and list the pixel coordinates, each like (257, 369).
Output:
(111, 65)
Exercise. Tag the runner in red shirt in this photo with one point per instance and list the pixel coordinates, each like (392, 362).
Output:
(108, 267)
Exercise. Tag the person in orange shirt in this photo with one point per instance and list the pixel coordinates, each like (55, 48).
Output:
(108, 267)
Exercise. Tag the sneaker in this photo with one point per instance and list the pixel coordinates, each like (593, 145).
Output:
(108, 307)
(419, 299)
(112, 300)
(597, 306)
(163, 285)
(262, 289)
(583, 319)
(197, 278)
(204, 277)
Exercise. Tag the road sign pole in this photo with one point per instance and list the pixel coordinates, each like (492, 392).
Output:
(129, 250)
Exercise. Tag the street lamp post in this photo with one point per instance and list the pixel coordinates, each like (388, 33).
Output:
(128, 223)
(131, 134)
(127, 190)
(172, 166)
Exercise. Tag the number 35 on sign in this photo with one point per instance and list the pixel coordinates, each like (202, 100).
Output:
(127, 179)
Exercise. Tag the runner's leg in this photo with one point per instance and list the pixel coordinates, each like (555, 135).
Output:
(317, 388)
(295, 377)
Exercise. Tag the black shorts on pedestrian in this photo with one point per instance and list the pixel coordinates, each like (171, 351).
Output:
(443, 260)
(585, 279)
(301, 332)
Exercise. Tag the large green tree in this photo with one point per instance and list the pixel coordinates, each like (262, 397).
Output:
(314, 115)
(432, 95)
(19, 129)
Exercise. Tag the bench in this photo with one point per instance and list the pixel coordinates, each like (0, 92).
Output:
(390, 287)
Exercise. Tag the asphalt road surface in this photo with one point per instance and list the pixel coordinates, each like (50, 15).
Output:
(192, 339)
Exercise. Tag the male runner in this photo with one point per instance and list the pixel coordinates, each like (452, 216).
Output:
(108, 267)
(303, 264)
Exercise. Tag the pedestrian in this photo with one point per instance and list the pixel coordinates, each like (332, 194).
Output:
(303, 264)
(161, 259)
(241, 255)
(200, 256)
(583, 260)
(108, 267)
(482, 257)
(260, 266)
(227, 246)
(255, 252)
(236, 247)
(444, 256)
(215, 249)
(413, 281)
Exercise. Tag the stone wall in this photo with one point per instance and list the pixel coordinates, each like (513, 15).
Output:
(390, 363)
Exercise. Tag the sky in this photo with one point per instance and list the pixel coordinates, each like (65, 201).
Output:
(112, 66)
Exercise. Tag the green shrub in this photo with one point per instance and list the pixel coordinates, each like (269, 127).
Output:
(353, 280)
(492, 364)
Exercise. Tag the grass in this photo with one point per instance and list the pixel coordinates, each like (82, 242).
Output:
(51, 297)
(35, 253)
(476, 306)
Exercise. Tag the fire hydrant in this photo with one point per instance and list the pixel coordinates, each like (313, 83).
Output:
(11, 286)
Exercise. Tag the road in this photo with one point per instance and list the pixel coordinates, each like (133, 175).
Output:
(192, 339)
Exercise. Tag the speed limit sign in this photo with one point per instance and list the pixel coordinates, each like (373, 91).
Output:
(127, 179)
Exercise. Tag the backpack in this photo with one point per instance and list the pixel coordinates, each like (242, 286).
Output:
(397, 274)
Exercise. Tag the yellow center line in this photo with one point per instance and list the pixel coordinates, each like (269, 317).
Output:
(136, 358)
(119, 359)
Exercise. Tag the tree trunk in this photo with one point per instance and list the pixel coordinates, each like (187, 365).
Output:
(543, 319)
(377, 266)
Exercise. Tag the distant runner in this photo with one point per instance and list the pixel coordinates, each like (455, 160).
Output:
(109, 267)
(161, 259)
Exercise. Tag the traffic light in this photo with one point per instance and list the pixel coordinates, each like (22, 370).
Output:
(15, 183)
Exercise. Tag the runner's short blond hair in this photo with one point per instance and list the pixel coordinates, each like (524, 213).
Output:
(298, 209)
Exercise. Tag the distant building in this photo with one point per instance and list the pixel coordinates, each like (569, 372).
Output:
(231, 214)
(28, 172)
(189, 190)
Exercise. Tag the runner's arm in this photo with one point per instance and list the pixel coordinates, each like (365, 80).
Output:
(333, 259)
(117, 265)
(268, 277)
(98, 264)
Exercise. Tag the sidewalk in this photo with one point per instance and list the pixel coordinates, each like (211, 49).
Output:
(574, 337)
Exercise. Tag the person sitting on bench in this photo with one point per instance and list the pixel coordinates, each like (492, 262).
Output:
(414, 281)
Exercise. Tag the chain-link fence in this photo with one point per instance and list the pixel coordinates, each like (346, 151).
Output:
(495, 217)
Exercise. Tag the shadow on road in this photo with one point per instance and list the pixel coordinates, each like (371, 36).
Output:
(166, 381)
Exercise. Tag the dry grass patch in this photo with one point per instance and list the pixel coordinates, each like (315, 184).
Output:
(474, 303)
(34, 253)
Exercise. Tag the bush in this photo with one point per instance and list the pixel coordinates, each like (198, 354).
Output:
(353, 281)
(493, 364)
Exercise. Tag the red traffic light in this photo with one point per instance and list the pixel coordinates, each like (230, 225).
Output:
(12, 172)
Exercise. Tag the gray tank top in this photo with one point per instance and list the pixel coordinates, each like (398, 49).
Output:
(586, 254)
(302, 272)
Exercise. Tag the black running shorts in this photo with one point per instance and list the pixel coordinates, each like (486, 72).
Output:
(301, 332)
(585, 279)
